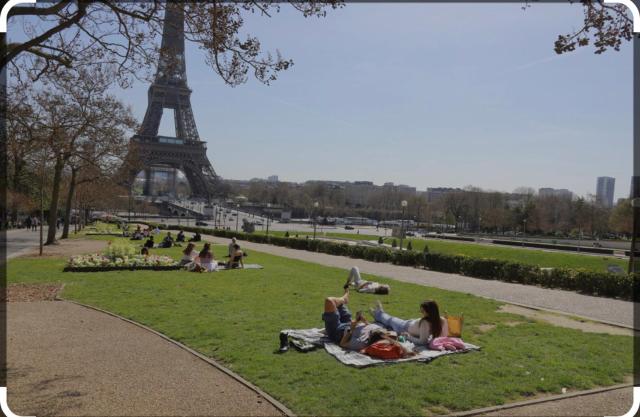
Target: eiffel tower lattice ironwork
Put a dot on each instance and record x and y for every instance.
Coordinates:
(169, 90)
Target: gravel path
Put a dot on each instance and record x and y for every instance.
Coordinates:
(68, 360)
(607, 310)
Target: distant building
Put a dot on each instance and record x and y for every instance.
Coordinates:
(434, 194)
(406, 188)
(553, 192)
(604, 191)
(272, 178)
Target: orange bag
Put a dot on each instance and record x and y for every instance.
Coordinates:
(383, 350)
(455, 325)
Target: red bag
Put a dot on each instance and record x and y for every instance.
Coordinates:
(384, 350)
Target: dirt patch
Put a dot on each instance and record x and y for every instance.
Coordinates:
(68, 247)
(513, 323)
(564, 321)
(32, 292)
(484, 328)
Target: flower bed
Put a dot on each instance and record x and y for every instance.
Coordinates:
(98, 263)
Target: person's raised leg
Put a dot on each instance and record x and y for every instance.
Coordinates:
(354, 276)
(396, 324)
(332, 304)
(335, 311)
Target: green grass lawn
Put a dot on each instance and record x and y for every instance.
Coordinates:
(235, 317)
(527, 256)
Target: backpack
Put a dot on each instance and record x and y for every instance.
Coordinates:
(384, 350)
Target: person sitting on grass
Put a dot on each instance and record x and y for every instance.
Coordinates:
(357, 335)
(196, 238)
(418, 331)
(206, 259)
(188, 254)
(149, 243)
(369, 287)
(146, 232)
(167, 242)
(231, 247)
(235, 258)
(180, 236)
(144, 251)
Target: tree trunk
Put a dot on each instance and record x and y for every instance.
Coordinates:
(18, 168)
(55, 195)
(67, 211)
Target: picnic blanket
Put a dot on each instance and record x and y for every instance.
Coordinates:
(222, 267)
(318, 338)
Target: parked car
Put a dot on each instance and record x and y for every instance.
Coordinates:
(410, 234)
(201, 223)
(348, 228)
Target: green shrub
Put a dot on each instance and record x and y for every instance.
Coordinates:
(380, 240)
(120, 249)
(286, 234)
(409, 246)
(394, 244)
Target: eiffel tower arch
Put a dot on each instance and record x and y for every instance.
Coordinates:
(169, 90)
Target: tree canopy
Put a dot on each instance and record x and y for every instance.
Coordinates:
(77, 33)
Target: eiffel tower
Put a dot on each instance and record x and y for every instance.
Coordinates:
(185, 152)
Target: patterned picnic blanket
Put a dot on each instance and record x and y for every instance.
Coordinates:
(318, 338)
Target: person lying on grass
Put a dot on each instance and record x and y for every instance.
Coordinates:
(357, 335)
(362, 286)
(418, 331)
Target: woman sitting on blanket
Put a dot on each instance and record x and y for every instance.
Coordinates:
(418, 331)
(188, 254)
(363, 286)
(355, 335)
(206, 260)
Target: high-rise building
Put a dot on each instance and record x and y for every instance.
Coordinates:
(272, 178)
(604, 191)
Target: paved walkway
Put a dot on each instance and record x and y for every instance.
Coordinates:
(20, 241)
(596, 308)
(68, 360)
(610, 403)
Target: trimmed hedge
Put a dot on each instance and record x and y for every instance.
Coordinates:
(604, 284)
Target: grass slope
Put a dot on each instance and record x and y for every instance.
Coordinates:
(235, 317)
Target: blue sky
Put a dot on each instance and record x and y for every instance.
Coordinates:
(422, 94)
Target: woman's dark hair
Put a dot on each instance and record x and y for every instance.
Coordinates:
(205, 250)
(188, 249)
(375, 336)
(432, 311)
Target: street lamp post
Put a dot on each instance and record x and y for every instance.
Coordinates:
(315, 208)
(268, 218)
(237, 216)
(579, 239)
(404, 206)
(524, 230)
